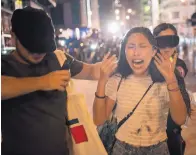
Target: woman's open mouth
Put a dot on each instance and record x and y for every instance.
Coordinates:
(137, 63)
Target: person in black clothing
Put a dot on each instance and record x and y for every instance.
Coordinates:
(34, 88)
(168, 46)
(167, 42)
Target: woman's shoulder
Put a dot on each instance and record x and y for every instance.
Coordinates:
(114, 80)
(115, 77)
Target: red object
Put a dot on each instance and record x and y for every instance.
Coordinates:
(79, 134)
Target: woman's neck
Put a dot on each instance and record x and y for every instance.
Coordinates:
(146, 74)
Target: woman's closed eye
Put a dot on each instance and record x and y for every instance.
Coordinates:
(143, 46)
(131, 47)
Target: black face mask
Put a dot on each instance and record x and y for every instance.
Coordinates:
(169, 41)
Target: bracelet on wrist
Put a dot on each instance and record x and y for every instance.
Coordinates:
(169, 83)
(99, 97)
(173, 89)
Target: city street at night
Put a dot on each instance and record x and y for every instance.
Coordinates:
(98, 77)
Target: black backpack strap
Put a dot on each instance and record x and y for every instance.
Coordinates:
(131, 113)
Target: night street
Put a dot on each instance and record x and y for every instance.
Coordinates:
(133, 52)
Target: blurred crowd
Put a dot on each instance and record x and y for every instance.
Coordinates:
(92, 50)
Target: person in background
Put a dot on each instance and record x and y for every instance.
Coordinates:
(145, 131)
(167, 42)
(33, 87)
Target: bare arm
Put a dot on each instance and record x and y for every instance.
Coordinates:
(102, 108)
(89, 72)
(177, 105)
(13, 87)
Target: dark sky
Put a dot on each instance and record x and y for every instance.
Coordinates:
(105, 10)
(106, 13)
(134, 5)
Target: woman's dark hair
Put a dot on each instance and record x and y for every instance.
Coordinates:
(125, 70)
(164, 26)
(123, 67)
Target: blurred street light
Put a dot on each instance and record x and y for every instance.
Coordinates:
(77, 31)
(113, 27)
(93, 46)
(61, 30)
(117, 18)
(183, 1)
(4, 52)
(62, 42)
(129, 10)
(117, 11)
(18, 4)
(127, 17)
(117, 1)
(147, 8)
(102, 45)
(81, 44)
